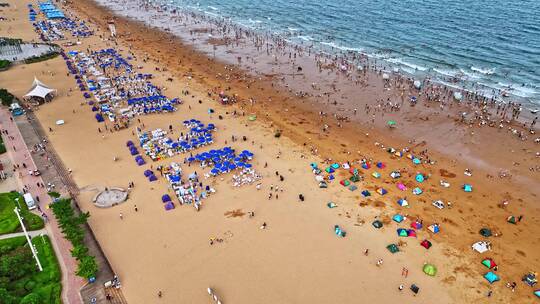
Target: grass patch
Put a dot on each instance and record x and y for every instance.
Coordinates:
(9, 222)
(20, 280)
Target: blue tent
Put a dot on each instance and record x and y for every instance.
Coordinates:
(416, 161)
(419, 178)
(398, 218)
(491, 277)
(366, 193)
(467, 188)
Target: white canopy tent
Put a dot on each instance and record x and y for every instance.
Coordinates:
(39, 89)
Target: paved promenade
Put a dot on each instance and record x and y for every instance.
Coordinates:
(20, 155)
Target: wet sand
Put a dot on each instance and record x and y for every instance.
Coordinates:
(297, 258)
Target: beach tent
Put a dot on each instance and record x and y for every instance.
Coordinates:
(415, 288)
(489, 263)
(352, 187)
(491, 277)
(416, 225)
(329, 170)
(434, 228)
(376, 174)
(366, 166)
(417, 84)
(430, 270)
(152, 178)
(339, 232)
(481, 246)
(416, 161)
(39, 89)
(165, 198)
(426, 244)
(345, 183)
(395, 174)
(382, 191)
(148, 172)
(323, 185)
(401, 187)
(331, 205)
(485, 232)
(335, 166)
(530, 279)
(377, 224)
(417, 191)
(366, 193)
(467, 188)
(398, 218)
(355, 178)
(402, 232)
(169, 206)
(537, 293)
(411, 233)
(393, 248)
(420, 178)
(512, 219)
(403, 202)
(381, 165)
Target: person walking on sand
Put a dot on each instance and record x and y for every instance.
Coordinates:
(159, 294)
(404, 272)
(366, 252)
(136, 209)
(121, 216)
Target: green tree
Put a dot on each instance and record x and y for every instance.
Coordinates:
(32, 298)
(87, 267)
(79, 251)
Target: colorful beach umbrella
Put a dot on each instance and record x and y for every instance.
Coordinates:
(430, 269)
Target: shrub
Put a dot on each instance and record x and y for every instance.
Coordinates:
(4, 64)
(6, 97)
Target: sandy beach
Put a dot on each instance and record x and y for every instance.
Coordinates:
(298, 258)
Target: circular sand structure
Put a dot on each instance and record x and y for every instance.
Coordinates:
(110, 197)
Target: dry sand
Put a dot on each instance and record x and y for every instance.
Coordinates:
(298, 258)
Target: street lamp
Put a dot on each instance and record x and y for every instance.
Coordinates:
(34, 252)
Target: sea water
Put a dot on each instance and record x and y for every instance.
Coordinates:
(486, 45)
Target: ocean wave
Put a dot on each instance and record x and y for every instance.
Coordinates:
(340, 47)
(407, 64)
(213, 8)
(449, 73)
(305, 38)
(485, 71)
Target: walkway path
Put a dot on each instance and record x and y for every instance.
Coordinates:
(32, 234)
(20, 155)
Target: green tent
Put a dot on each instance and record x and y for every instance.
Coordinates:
(393, 248)
(430, 270)
(489, 263)
(511, 219)
(252, 117)
(355, 178)
(391, 123)
(485, 232)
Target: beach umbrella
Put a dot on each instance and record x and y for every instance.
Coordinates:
(419, 178)
(430, 270)
(416, 161)
(385, 76)
(417, 84)
(458, 96)
(537, 293)
(391, 123)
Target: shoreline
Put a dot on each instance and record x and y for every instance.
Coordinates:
(300, 124)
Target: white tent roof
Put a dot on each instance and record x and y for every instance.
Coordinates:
(39, 89)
